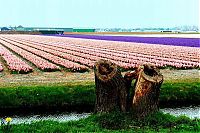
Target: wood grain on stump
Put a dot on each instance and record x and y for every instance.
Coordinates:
(147, 90)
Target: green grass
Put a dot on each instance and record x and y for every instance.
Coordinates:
(83, 95)
(187, 92)
(46, 96)
(114, 122)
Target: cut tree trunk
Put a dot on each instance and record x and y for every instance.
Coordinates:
(147, 90)
(111, 91)
(128, 77)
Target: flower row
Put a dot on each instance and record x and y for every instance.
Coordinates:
(56, 52)
(189, 42)
(42, 64)
(82, 58)
(186, 53)
(97, 49)
(55, 59)
(125, 54)
(14, 63)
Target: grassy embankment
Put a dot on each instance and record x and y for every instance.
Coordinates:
(81, 96)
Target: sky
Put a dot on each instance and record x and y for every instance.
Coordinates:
(99, 13)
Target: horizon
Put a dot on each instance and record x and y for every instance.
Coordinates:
(125, 14)
(103, 28)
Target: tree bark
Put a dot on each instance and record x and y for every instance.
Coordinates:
(128, 77)
(111, 91)
(147, 90)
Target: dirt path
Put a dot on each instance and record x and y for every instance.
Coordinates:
(67, 77)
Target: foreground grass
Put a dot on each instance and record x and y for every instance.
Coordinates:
(114, 122)
(83, 95)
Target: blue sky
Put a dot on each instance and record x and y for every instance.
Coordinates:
(99, 13)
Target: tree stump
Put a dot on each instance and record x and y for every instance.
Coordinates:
(128, 77)
(111, 91)
(147, 90)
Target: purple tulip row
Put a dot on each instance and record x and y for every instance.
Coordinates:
(189, 42)
(14, 63)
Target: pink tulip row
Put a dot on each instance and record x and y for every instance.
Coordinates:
(180, 57)
(83, 58)
(42, 64)
(189, 56)
(38, 51)
(56, 52)
(128, 58)
(176, 52)
(14, 63)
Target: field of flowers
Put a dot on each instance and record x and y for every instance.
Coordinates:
(189, 42)
(49, 53)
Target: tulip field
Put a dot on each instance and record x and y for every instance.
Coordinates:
(23, 53)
